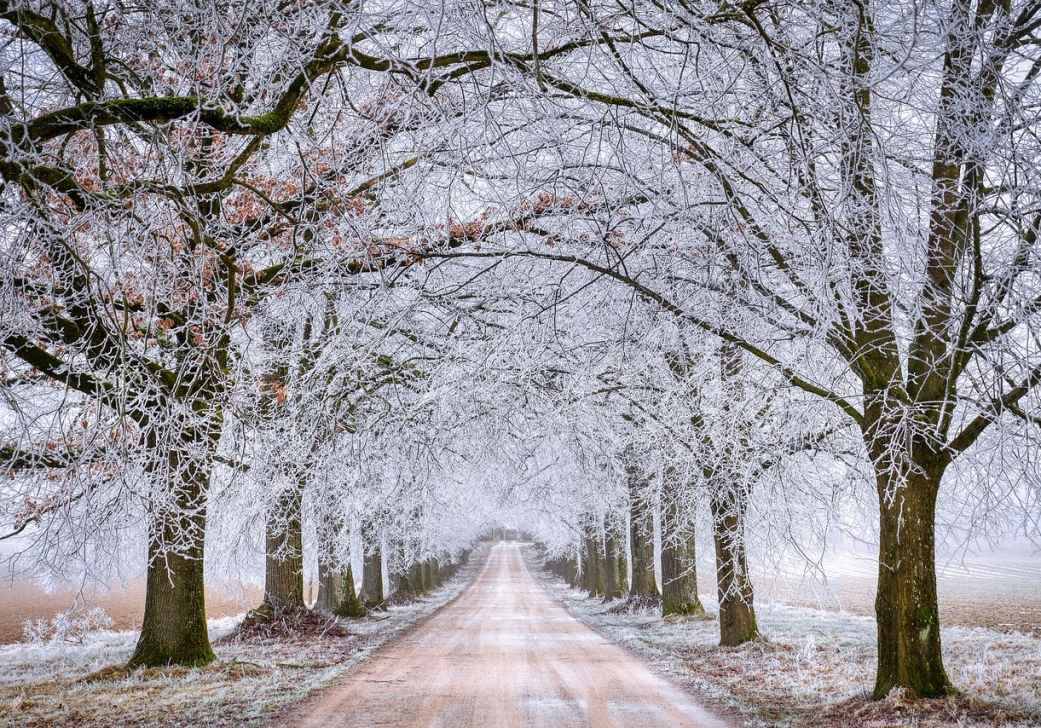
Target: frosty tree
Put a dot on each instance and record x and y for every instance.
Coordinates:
(154, 197)
(865, 175)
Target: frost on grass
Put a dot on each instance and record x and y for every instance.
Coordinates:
(816, 668)
(66, 627)
(79, 683)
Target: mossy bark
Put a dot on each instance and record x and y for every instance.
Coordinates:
(403, 584)
(737, 622)
(679, 576)
(415, 579)
(906, 609)
(372, 596)
(173, 631)
(641, 539)
(623, 564)
(571, 571)
(330, 587)
(330, 572)
(284, 560)
(592, 574)
(428, 580)
(350, 605)
(614, 576)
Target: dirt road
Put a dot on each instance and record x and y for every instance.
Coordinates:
(502, 655)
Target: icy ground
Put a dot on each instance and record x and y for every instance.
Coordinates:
(69, 680)
(816, 668)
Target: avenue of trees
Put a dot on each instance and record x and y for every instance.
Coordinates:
(353, 282)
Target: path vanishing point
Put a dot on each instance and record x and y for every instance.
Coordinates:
(503, 654)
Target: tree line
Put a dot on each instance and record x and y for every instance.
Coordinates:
(314, 271)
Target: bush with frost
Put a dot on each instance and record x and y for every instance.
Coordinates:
(66, 627)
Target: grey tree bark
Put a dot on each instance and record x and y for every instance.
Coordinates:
(284, 558)
(641, 539)
(614, 566)
(371, 595)
(679, 575)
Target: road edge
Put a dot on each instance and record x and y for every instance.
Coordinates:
(725, 714)
(290, 714)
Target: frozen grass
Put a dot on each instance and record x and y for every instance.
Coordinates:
(816, 668)
(79, 685)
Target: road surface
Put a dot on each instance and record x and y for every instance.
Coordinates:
(504, 654)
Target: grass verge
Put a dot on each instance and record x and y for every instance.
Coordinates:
(815, 669)
(82, 684)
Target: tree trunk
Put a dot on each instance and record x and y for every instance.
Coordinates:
(350, 605)
(397, 578)
(284, 572)
(592, 578)
(679, 576)
(641, 537)
(330, 587)
(737, 623)
(623, 563)
(403, 583)
(613, 580)
(601, 574)
(906, 610)
(571, 571)
(371, 595)
(427, 579)
(173, 631)
(330, 573)
(415, 578)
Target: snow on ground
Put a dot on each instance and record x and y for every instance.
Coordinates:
(76, 684)
(999, 589)
(816, 668)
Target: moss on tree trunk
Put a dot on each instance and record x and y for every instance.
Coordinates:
(906, 610)
(415, 579)
(641, 539)
(614, 576)
(372, 596)
(737, 622)
(284, 560)
(330, 587)
(173, 631)
(571, 571)
(423, 577)
(592, 574)
(679, 576)
(350, 605)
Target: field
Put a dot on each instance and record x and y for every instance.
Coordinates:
(1000, 590)
(22, 600)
